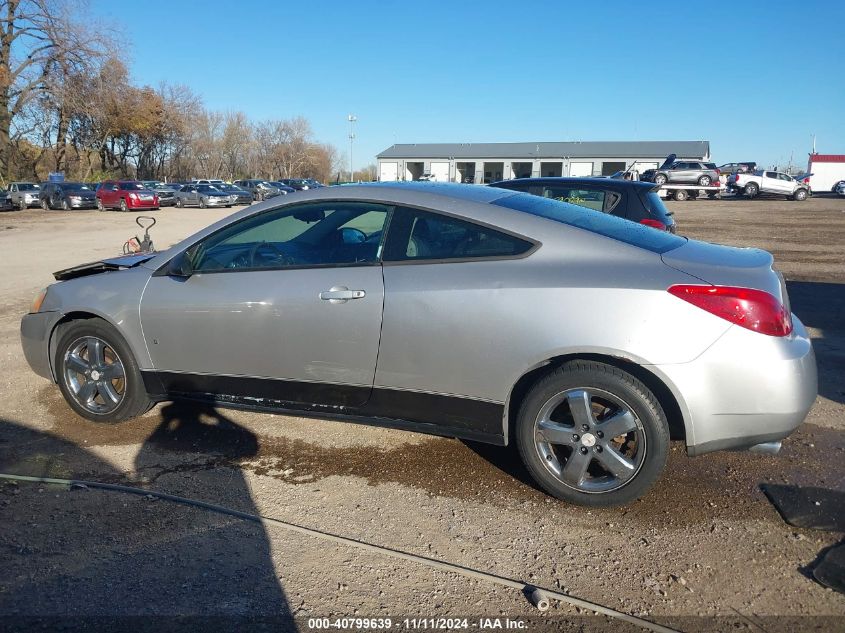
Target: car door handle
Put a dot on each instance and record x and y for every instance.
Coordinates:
(341, 294)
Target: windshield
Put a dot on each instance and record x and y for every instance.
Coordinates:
(131, 185)
(27, 186)
(77, 186)
(594, 221)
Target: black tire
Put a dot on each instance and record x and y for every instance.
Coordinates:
(751, 190)
(45, 205)
(604, 385)
(202, 203)
(129, 387)
(660, 179)
(100, 206)
(680, 195)
(705, 181)
(22, 204)
(179, 203)
(65, 205)
(123, 206)
(800, 195)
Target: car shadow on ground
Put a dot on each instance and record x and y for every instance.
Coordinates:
(74, 557)
(821, 306)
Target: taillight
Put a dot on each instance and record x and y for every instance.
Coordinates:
(753, 309)
(655, 224)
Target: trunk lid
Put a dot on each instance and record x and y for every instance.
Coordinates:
(728, 266)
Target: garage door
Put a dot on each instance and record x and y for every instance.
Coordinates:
(388, 172)
(440, 171)
(580, 169)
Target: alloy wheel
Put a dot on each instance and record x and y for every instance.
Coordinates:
(94, 375)
(590, 440)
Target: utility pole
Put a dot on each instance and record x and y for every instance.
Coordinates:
(351, 118)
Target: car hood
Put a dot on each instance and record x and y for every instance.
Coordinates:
(94, 268)
(669, 160)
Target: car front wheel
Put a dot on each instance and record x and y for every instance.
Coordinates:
(660, 179)
(592, 434)
(97, 373)
(800, 195)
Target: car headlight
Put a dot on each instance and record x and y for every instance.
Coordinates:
(39, 299)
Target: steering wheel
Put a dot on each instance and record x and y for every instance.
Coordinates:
(356, 232)
(280, 256)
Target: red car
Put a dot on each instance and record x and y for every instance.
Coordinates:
(125, 195)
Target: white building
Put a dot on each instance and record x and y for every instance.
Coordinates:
(827, 169)
(489, 162)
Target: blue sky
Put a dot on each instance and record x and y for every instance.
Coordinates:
(755, 79)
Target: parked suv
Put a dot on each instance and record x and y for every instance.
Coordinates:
(632, 200)
(692, 172)
(125, 195)
(729, 169)
(25, 194)
(67, 196)
(260, 189)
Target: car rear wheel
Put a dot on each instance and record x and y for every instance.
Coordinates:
(751, 190)
(660, 179)
(97, 373)
(800, 195)
(704, 181)
(123, 206)
(592, 434)
(681, 195)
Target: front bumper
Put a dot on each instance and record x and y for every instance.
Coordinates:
(746, 389)
(83, 204)
(35, 341)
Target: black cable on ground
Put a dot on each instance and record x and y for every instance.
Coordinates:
(527, 589)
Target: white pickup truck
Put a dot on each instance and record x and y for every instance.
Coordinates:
(771, 182)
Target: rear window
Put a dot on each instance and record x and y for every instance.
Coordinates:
(601, 223)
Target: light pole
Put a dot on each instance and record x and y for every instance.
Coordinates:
(351, 118)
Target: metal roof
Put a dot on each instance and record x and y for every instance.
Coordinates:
(574, 149)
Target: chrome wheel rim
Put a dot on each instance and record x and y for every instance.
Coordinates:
(590, 440)
(94, 375)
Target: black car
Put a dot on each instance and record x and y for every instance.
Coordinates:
(6, 202)
(285, 189)
(629, 199)
(68, 195)
(300, 184)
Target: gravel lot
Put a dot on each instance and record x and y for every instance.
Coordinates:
(703, 551)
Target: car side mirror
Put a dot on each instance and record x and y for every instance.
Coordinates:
(180, 266)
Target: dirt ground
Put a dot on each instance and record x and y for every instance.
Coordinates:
(703, 551)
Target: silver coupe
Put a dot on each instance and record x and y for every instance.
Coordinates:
(473, 312)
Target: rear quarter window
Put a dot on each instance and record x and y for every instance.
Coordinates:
(596, 222)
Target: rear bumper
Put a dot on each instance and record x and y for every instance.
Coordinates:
(746, 389)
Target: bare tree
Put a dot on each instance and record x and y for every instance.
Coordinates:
(40, 46)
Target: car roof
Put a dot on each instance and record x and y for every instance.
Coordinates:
(573, 180)
(472, 193)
